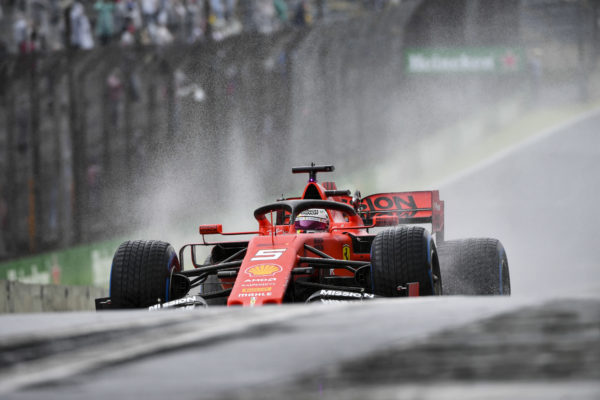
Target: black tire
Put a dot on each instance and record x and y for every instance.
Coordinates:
(474, 267)
(140, 273)
(403, 255)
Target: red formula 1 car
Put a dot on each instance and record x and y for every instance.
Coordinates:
(316, 247)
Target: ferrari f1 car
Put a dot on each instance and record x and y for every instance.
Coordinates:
(316, 247)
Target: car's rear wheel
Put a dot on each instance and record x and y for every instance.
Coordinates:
(140, 273)
(405, 255)
(474, 267)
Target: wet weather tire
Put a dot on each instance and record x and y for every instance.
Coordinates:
(404, 255)
(140, 273)
(474, 267)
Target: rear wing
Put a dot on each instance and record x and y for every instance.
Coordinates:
(409, 207)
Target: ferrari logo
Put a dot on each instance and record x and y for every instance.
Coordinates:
(346, 252)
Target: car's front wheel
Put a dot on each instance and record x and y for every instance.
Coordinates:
(405, 255)
(140, 273)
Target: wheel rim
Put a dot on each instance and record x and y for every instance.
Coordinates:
(436, 278)
(505, 288)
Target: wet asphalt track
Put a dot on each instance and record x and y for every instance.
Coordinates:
(543, 342)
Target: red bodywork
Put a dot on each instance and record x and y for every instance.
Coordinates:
(273, 255)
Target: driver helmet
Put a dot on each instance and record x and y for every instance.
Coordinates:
(313, 219)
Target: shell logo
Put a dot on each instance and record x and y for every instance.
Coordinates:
(263, 270)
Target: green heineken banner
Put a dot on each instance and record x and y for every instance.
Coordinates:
(82, 265)
(464, 60)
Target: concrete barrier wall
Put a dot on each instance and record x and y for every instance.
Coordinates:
(16, 297)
